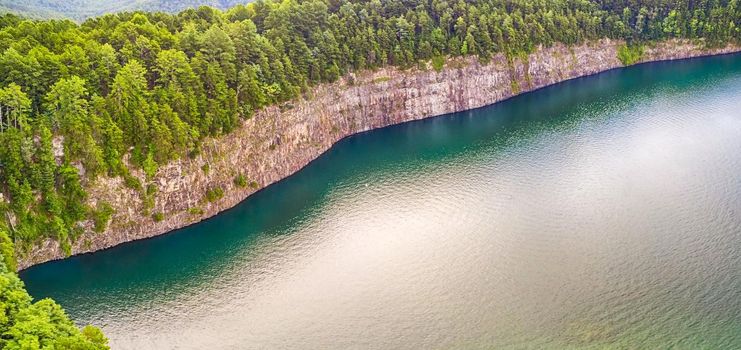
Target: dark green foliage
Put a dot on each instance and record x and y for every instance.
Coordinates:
(101, 216)
(214, 194)
(195, 211)
(81, 9)
(148, 197)
(151, 189)
(132, 182)
(158, 216)
(240, 181)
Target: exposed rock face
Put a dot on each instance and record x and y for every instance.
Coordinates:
(277, 141)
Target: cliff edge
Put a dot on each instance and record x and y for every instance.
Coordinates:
(280, 140)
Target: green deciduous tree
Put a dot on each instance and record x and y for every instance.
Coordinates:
(25, 325)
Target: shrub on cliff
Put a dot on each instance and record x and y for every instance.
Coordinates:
(240, 181)
(630, 54)
(158, 216)
(101, 216)
(214, 194)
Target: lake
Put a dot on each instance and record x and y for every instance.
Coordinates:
(603, 211)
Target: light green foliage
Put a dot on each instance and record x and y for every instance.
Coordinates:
(14, 106)
(438, 62)
(149, 165)
(41, 325)
(629, 55)
(130, 107)
(7, 254)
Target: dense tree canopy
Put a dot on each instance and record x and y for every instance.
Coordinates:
(41, 325)
(82, 9)
(141, 89)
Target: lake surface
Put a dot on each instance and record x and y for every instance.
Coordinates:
(601, 211)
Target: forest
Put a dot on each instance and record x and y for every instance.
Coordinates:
(136, 90)
(84, 9)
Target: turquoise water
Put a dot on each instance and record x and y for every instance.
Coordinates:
(603, 211)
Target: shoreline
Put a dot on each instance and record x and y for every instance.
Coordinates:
(279, 141)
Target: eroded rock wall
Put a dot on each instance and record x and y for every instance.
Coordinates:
(279, 141)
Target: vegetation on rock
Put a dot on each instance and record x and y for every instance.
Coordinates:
(629, 55)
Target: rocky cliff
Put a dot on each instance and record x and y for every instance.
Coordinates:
(280, 140)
